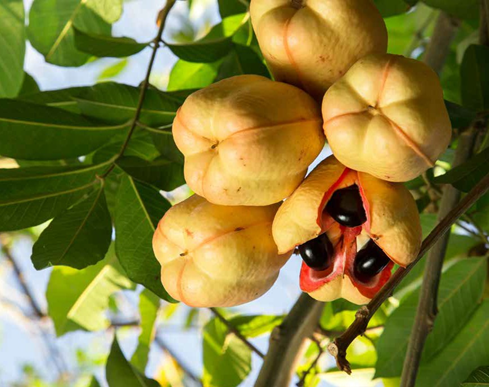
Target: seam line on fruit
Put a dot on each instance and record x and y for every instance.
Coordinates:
(225, 233)
(385, 75)
(401, 133)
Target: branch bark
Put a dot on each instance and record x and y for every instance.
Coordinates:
(339, 346)
(428, 302)
(427, 307)
(439, 47)
(287, 343)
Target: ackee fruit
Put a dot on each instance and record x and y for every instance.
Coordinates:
(312, 43)
(248, 140)
(387, 117)
(350, 228)
(217, 256)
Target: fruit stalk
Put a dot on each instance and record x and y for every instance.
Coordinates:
(339, 346)
(428, 302)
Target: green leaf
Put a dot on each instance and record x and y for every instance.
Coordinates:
(478, 378)
(120, 372)
(461, 289)
(78, 238)
(254, 326)
(466, 176)
(33, 132)
(392, 7)
(61, 99)
(404, 27)
(109, 10)
(215, 45)
(188, 75)
(242, 60)
(51, 25)
(113, 70)
(85, 295)
(460, 117)
(29, 86)
(139, 208)
(227, 360)
(164, 142)
(463, 9)
(106, 46)
(467, 351)
(116, 103)
(12, 47)
(475, 78)
(232, 7)
(149, 305)
(30, 196)
(163, 174)
(94, 382)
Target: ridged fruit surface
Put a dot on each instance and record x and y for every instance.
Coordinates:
(392, 223)
(387, 117)
(213, 255)
(248, 140)
(312, 43)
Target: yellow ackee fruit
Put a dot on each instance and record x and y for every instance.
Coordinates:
(387, 117)
(248, 140)
(312, 43)
(389, 221)
(217, 256)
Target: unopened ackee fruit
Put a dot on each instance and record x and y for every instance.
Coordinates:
(350, 228)
(387, 117)
(213, 255)
(312, 43)
(248, 140)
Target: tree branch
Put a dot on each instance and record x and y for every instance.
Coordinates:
(428, 301)
(236, 332)
(39, 313)
(287, 342)
(439, 47)
(427, 306)
(161, 343)
(339, 346)
(162, 16)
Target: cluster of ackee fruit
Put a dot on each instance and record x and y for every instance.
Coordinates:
(248, 142)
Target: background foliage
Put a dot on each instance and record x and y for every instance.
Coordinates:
(90, 211)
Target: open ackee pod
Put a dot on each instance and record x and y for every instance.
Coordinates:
(217, 256)
(388, 227)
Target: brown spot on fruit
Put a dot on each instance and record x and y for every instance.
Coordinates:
(189, 233)
(239, 229)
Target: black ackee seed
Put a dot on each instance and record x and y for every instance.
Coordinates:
(346, 207)
(317, 253)
(369, 262)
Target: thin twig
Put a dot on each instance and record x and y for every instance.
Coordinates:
(56, 357)
(480, 232)
(302, 380)
(163, 15)
(236, 332)
(161, 343)
(20, 278)
(339, 346)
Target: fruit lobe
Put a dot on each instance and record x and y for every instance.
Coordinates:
(387, 117)
(214, 255)
(304, 41)
(248, 140)
(392, 223)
